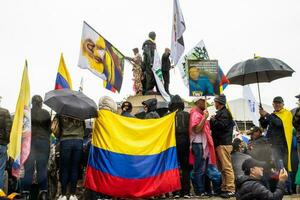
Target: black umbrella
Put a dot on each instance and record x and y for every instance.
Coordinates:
(71, 103)
(258, 70)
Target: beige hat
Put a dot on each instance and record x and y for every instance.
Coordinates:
(200, 98)
(107, 103)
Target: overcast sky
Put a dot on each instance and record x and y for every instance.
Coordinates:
(233, 31)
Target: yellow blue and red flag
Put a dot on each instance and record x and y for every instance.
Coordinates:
(223, 81)
(133, 158)
(20, 136)
(63, 78)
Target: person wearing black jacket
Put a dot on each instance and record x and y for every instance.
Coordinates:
(150, 106)
(5, 127)
(165, 68)
(222, 129)
(182, 143)
(251, 187)
(39, 150)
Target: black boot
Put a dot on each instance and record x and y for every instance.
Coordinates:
(43, 195)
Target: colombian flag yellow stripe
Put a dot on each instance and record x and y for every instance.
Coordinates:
(130, 136)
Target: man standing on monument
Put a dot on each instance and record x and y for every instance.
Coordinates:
(165, 68)
(149, 47)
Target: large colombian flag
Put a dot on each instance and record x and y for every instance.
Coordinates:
(132, 158)
(63, 78)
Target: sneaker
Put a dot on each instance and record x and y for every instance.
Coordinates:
(73, 197)
(187, 196)
(227, 195)
(202, 195)
(61, 197)
(176, 196)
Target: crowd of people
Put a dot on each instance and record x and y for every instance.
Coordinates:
(210, 159)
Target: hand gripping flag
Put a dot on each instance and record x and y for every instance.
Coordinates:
(132, 158)
(20, 136)
(63, 78)
(178, 27)
(101, 58)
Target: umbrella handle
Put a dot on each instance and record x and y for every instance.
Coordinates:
(260, 105)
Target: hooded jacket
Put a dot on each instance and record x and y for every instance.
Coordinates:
(249, 188)
(151, 104)
(5, 126)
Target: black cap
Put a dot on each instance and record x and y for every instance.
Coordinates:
(250, 163)
(254, 129)
(278, 99)
(221, 99)
(298, 96)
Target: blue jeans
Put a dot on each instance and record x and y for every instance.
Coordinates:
(3, 159)
(70, 159)
(215, 177)
(39, 155)
(198, 173)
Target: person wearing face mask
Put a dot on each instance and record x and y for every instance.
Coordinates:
(39, 150)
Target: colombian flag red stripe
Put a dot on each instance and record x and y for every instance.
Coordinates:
(132, 188)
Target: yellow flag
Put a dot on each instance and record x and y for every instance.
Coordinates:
(20, 136)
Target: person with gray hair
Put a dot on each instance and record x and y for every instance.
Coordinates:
(107, 103)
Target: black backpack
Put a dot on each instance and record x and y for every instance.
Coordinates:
(182, 120)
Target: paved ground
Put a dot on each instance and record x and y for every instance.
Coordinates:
(292, 197)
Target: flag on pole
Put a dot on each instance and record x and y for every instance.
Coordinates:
(178, 27)
(158, 76)
(101, 58)
(63, 78)
(252, 104)
(132, 158)
(81, 85)
(20, 136)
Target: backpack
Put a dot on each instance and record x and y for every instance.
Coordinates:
(182, 120)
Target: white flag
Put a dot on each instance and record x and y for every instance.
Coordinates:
(252, 105)
(158, 77)
(178, 27)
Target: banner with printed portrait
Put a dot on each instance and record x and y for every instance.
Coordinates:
(101, 57)
(203, 77)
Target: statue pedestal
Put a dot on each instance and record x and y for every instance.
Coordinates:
(137, 100)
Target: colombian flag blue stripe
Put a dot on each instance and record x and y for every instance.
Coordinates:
(61, 82)
(132, 166)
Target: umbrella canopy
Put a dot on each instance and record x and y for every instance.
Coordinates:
(71, 103)
(258, 70)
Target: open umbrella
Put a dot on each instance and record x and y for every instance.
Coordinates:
(258, 70)
(71, 103)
